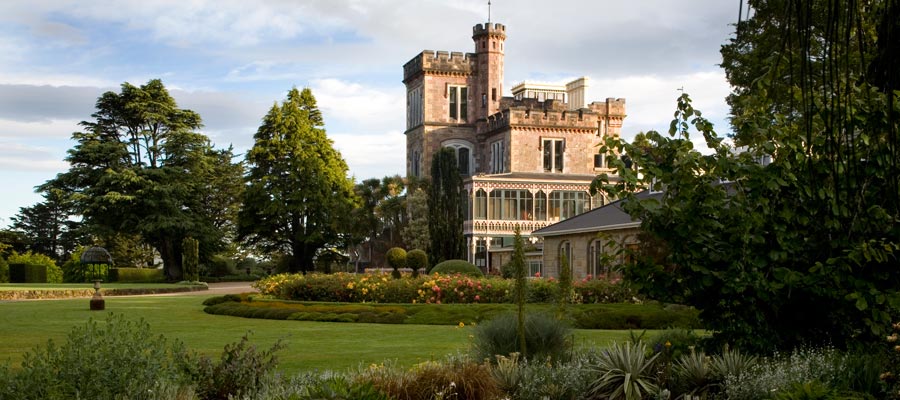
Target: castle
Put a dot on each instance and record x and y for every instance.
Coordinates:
(526, 159)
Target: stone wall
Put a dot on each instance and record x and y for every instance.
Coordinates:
(580, 245)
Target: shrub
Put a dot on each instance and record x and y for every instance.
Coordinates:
(545, 337)
(111, 360)
(190, 258)
(4, 270)
(239, 372)
(595, 291)
(416, 259)
(54, 273)
(542, 290)
(136, 275)
(782, 372)
(27, 273)
(396, 259)
(450, 267)
(566, 380)
(693, 375)
(219, 266)
(453, 378)
(623, 372)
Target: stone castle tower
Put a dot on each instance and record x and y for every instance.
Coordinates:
(527, 159)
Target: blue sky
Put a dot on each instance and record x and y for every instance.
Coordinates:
(230, 60)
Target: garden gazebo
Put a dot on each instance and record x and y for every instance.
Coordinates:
(95, 263)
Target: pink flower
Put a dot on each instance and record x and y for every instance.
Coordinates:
(537, 274)
(436, 288)
(477, 297)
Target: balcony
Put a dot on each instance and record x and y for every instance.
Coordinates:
(491, 227)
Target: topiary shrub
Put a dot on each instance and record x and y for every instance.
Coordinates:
(450, 267)
(190, 259)
(54, 273)
(416, 259)
(396, 259)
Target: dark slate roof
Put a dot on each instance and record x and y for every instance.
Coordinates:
(609, 216)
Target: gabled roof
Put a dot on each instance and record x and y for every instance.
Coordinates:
(605, 218)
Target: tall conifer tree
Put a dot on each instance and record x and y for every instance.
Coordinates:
(298, 196)
(445, 209)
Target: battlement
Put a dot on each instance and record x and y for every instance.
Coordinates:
(547, 114)
(489, 29)
(612, 107)
(440, 61)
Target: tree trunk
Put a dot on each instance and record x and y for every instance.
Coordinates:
(170, 252)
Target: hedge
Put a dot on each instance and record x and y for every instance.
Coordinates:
(456, 267)
(583, 316)
(136, 275)
(27, 273)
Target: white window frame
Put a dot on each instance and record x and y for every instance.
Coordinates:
(498, 158)
(461, 107)
(554, 157)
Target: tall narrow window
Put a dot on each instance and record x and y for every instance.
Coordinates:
(553, 154)
(480, 204)
(540, 206)
(565, 254)
(459, 103)
(463, 162)
(596, 258)
(498, 157)
(494, 94)
(483, 100)
(415, 163)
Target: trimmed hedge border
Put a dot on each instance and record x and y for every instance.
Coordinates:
(583, 316)
(79, 293)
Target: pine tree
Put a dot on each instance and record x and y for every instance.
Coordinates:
(445, 213)
(298, 198)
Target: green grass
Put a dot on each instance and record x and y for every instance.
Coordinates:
(310, 345)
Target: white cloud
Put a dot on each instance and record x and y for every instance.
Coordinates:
(16, 156)
(365, 107)
(372, 156)
(53, 129)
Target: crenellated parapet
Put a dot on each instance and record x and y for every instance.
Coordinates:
(429, 61)
(554, 114)
(489, 29)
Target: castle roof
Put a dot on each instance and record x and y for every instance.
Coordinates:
(606, 218)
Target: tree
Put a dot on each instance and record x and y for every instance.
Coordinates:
(139, 168)
(445, 209)
(48, 227)
(415, 233)
(298, 199)
(802, 249)
(381, 215)
(520, 290)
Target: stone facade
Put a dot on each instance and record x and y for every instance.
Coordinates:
(528, 159)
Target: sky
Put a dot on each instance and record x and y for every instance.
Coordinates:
(230, 60)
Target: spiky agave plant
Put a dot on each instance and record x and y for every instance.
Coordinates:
(624, 373)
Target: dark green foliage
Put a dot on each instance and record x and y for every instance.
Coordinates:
(219, 266)
(445, 208)
(450, 267)
(27, 273)
(238, 372)
(396, 259)
(140, 169)
(545, 336)
(804, 249)
(613, 316)
(628, 316)
(190, 259)
(4, 270)
(566, 292)
(520, 291)
(136, 275)
(416, 260)
(603, 291)
(298, 200)
(104, 360)
(47, 226)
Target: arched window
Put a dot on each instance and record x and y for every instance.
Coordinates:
(597, 259)
(465, 157)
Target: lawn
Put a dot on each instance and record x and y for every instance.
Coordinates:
(310, 345)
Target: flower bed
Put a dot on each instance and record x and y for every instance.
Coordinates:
(436, 289)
